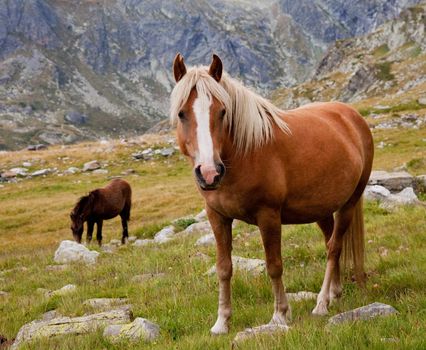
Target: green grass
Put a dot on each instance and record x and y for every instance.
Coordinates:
(34, 219)
(383, 71)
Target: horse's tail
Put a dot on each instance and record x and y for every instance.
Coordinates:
(354, 245)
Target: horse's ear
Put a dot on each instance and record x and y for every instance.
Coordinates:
(179, 68)
(216, 68)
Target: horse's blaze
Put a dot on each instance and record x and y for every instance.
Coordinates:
(204, 157)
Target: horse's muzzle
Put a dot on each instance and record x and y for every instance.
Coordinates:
(210, 179)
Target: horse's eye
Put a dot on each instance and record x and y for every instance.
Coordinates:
(181, 115)
(222, 113)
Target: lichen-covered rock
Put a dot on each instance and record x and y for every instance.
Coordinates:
(102, 304)
(253, 266)
(363, 313)
(201, 216)
(70, 251)
(67, 325)
(139, 329)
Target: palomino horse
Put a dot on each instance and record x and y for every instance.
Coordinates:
(102, 204)
(268, 167)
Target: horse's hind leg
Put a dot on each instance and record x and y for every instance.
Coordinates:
(125, 216)
(270, 228)
(342, 221)
(125, 230)
(99, 231)
(327, 225)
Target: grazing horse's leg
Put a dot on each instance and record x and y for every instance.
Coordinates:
(269, 223)
(125, 231)
(343, 219)
(90, 226)
(327, 226)
(99, 231)
(222, 228)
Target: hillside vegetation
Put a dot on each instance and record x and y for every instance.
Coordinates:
(34, 219)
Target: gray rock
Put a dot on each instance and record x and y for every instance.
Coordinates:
(422, 100)
(19, 171)
(167, 152)
(76, 118)
(267, 329)
(139, 329)
(70, 251)
(376, 192)
(198, 227)
(206, 240)
(100, 171)
(363, 313)
(70, 326)
(253, 266)
(37, 147)
(3, 293)
(393, 181)
(143, 242)
(67, 289)
(51, 315)
(132, 239)
(41, 172)
(165, 235)
(115, 242)
(201, 216)
(103, 304)
(72, 170)
(299, 296)
(92, 165)
(405, 197)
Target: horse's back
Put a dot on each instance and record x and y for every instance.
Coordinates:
(113, 198)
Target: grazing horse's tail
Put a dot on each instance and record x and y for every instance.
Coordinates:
(353, 244)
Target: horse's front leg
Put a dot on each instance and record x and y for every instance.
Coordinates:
(222, 228)
(99, 231)
(90, 226)
(269, 223)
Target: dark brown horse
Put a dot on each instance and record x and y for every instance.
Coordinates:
(102, 204)
(268, 167)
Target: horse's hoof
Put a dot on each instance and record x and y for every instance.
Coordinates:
(320, 309)
(219, 328)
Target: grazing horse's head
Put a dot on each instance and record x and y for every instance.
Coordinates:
(201, 105)
(79, 215)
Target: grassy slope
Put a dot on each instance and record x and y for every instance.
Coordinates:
(34, 219)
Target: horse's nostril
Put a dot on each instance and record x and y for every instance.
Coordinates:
(220, 168)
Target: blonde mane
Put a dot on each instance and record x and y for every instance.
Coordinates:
(249, 117)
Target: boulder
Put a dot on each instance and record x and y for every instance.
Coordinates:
(165, 235)
(253, 266)
(70, 251)
(201, 216)
(363, 313)
(393, 181)
(76, 118)
(70, 326)
(100, 171)
(72, 170)
(167, 152)
(198, 227)
(92, 165)
(376, 192)
(41, 172)
(36, 147)
(140, 329)
(206, 240)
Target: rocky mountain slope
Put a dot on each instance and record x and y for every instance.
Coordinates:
(384, 71)
(73, 70)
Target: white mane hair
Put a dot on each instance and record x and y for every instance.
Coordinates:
(249, 117)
